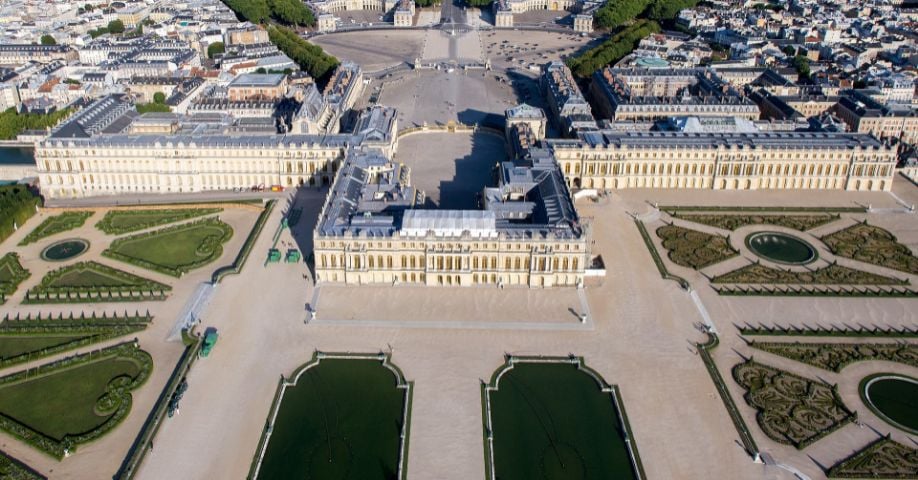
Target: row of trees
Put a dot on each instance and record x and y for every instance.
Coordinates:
(288, 12)
(114, 27)
(309, 57)
(12, 123)
(613, 49)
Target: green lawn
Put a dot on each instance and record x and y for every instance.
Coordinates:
(551, 421)
(58, 406)
(174, 250)
(341, 420)
(116, 222)
(56, 224)
(14, 345)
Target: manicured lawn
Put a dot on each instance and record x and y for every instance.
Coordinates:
(551, 421)
(14, 345)
(341, 420)
(56, 224)
(124, 221)
(63, 402)
(174, 250)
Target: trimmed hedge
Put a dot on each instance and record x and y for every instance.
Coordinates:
(883, 459)
(117, 388)
(661, 267)
(246, 249)
(12, 469)
(56, 224)
(807, 331)
(732, 222)
(792, 410)
(110, 222)
(836, 356)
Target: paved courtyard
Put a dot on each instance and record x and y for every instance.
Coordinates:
(451, 168)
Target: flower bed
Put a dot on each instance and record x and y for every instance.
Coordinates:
(870, 244)
(694, 249)
(756, 273)
(800, 222)
(56, 224)
(86, 282)
(884, 458)
(791, 409)
(836, 356)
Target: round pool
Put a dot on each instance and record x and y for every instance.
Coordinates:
(781, 248)
(894, 398)
(65, 249)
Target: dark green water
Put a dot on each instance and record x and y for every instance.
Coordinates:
(780, 247)
(897, 399)
(551, 422)
(17, 155)
(65, 250)
(342, 420)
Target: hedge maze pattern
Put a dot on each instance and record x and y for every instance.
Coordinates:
(884, 458)
(869, 244)
(733, 222)
(791, 409)
(836, 356)
(94, 282)
(11, 275)
(116, 222)
(694, 249)
(56, 224)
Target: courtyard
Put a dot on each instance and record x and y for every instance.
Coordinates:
(453, 178)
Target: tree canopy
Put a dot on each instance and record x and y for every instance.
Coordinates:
(215, 49)
(288, 12)
(116, 26)
(48, 40)
(159, 97)
(12, 123)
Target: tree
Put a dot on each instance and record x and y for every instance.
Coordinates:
(159, 97)
(308, 56)
(48, 40)
(215, 49)
(116, 26)
(802, 64)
